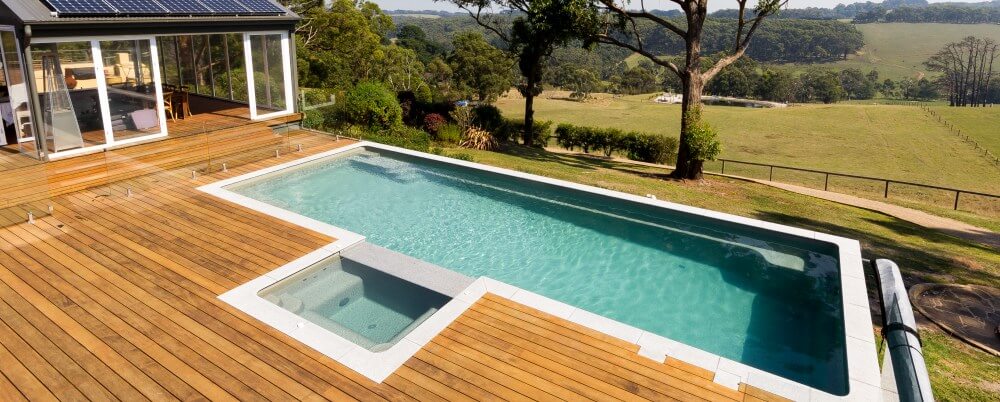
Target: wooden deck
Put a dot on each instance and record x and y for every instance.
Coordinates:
(115, 297)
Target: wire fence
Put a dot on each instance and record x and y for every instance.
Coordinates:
(958, 132)
(864, 186)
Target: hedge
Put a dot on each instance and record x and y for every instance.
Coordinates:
(634, 145)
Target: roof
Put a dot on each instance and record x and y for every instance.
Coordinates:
(35, 12)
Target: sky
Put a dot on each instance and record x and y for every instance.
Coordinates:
(650, 4)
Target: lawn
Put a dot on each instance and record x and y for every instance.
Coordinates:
(894, 142)
(982, 124)
(898, 50)
(958, 372)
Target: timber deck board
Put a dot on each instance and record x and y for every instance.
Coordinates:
(115, 297)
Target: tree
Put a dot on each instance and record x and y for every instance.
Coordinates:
(777, 85)
(619, 30)
(856, 84)
(530, 30)
(480, 69)
(967, 69)
(737, 80)
(820, 85)
(339, 47)
(413, 37)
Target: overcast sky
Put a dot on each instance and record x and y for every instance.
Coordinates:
(651, 4)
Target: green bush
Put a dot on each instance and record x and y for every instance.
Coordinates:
(450, 134)
(650, 148)
(513, 130)
(636, 146)
(488, 117)
(371, 104)
(401, 136)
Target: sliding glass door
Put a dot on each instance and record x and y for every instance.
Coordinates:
(96, 94)
(270, 74)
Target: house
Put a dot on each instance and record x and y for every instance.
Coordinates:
(81, 76)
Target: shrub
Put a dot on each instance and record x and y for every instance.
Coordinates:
(401, 136)
(513, 130)
(637, 146)
(477, 138)
(372, 105)
(463, 117)
(433, 123)
(488, 117)
(650, 148)
(450, 133)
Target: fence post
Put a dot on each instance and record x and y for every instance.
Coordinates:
(770, 176)
(957, 193)
(723, 166)
(886, 189)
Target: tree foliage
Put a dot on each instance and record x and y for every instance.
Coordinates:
(966, 69)
(479, 69)
(372, 105)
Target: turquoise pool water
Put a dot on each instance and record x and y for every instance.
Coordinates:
(765, 299)
(370, 308)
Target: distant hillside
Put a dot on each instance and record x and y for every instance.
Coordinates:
(898, 50)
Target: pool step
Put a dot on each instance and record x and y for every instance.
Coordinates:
(398, 171)
(343, 289)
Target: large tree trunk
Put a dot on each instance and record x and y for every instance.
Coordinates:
(687, 167)
(529, 114)
(692, 85)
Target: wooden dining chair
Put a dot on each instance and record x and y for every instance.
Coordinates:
(185, 102)
(168, 104)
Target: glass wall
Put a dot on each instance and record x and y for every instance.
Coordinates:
(67, 82)
(16, 114)
(132, 100)
(209, 65)
(268, 73)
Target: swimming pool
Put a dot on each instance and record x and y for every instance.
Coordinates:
(767, 299)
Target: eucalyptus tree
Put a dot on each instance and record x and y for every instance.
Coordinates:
(530, 30)
(620, 27)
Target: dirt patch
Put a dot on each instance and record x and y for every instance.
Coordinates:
(968, 312)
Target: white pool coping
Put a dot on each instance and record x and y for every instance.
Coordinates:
(864, 378)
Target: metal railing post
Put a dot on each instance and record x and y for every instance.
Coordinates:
(886, 189)
(957, 194)
(826, 183)
(723, 166)
(770, 176)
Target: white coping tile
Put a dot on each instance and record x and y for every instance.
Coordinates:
(860, 392)
(606, 325)
(855, 291)
(437, 322)
(544, 304)
(862, 366)
(499, 288)
(474, 291)
(858, 323)
(728, 380)
(889, 396)
(779, 386)
(694, 356)
(862, 362)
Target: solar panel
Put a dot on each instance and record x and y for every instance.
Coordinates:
(81, 7)
(227, 7)
(136, 6)
(163, 7)
(185, 7)
(261, 6)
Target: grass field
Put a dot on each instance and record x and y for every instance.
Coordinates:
(894, 142)
(978, 123)
(898, 50)
(958, 372)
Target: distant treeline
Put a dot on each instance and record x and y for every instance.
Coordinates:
(784, 40)
(952, 13)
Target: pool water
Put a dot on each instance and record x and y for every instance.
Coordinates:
(762, 298)
(361, 304)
